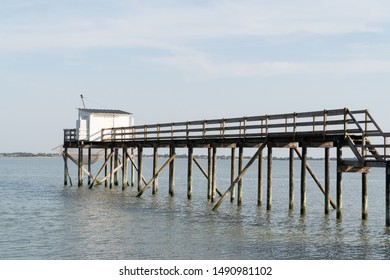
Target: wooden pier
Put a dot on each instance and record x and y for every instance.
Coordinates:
(337, 129)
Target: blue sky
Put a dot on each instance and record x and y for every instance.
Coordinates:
(184, 60)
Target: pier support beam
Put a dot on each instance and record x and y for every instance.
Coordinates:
(269, 177)
(364, 196)
(112, 160)
(116, 164)
(327, 181)
(339, 186)
(210, 172)
(190, 172)
(155, 167)
(387, 194)
(105, 168)
(214, 177)
(80, 167)
(260, 180)
(303, 180)
(89, 165)
(132, 176)
(140, 156)
(66, 170)
(172, 172)
(125, 169)
(232, 172)
(240, 164)
(291, 180)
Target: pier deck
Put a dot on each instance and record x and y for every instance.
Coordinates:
(340, 129)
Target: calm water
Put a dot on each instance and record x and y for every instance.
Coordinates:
(42, 219)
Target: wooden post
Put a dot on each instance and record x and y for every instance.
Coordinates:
(172, 172)
(112, 160)
(387, 194)
(105, 168)
(65, 157)
(190, 172)
(89, 165)
(210, 172)
(339, 185)
(260, 180)
(125, 169)
(232, 172)
(327, 181)
(155, 166)
(140, 156)
(214, 177)
(80, 166)
(291, 181)
(269, 177)
(116, 163)
(364, 196)
(240, 164)
(303, 181)
(132, 178)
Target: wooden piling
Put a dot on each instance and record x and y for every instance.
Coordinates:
(210, 172)
(339, 186)
(240, 164)
(89, 165)
(232, 172)
(66, 170)
(291, 180)
(80, 166)
(269, 177)
(190, 172)
(327, 181)
(125, 169)
(132, 175)
(112, 160)
(155, 167)
(364, 196)
(172, 172)
(116, 164)
(303, 180)
(140, 161)
(214, 177)
(260, 180)
(387, 194)
(105, 167)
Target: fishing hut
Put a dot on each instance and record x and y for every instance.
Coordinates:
(339, 129)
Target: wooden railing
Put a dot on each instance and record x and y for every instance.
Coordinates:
(321, 122)
(369, 140)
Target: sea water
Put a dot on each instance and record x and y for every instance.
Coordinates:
(40, 218)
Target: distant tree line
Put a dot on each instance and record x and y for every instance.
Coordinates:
(24, 154)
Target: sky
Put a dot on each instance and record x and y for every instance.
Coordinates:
(173, 60)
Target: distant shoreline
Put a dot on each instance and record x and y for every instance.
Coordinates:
(29, 155)
(57, 155)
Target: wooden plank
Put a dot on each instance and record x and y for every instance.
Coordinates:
(354, 169)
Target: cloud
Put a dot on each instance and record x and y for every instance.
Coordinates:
(152, 24)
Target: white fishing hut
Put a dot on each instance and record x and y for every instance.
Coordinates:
(92, 121)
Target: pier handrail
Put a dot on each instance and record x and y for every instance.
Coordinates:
(325, 122)
(359, 124)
